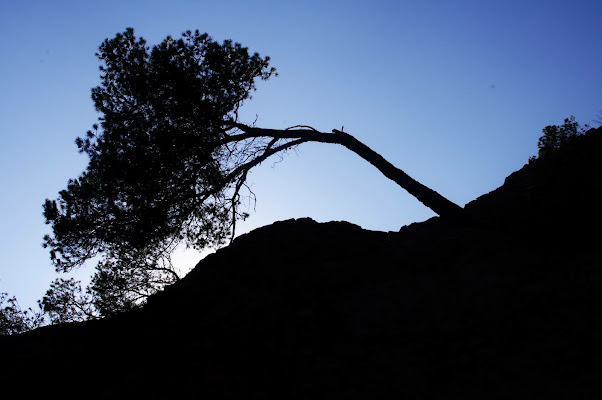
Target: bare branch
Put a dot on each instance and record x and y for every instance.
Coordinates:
(301, 126)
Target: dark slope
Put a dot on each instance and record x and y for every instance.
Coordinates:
(509, 308)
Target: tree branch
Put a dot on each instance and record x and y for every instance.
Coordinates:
(430, 198)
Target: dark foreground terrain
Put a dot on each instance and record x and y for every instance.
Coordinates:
(509, 307)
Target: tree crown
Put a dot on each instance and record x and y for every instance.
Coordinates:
(155, 174)
(556, 136)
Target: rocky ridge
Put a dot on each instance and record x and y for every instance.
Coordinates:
(507, 307)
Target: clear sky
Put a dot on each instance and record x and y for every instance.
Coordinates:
(455, 93)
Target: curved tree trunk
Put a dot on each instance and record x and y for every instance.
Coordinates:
(430, 198)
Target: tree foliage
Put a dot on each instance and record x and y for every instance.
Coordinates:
(154, 176)
(65, 301)
(168, 163)
(13, 319)
(153, 166)
(556, 136)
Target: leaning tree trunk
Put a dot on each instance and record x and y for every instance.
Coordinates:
(430, 198)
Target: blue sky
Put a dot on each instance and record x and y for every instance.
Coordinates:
(454, 93)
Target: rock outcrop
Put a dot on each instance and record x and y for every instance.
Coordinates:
(507, 308)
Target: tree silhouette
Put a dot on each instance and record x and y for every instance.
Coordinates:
(554, 137)
(168, 162)
(13, 319)
(65, 301)
(557, 136)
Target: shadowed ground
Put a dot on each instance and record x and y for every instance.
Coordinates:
(506, 308)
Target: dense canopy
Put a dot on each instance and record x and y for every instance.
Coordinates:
(155, 174)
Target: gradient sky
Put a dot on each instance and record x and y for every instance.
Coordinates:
(455, 93)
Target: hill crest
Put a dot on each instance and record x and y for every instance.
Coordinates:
(299, 309)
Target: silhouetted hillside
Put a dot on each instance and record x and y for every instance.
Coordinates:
(507, 308)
